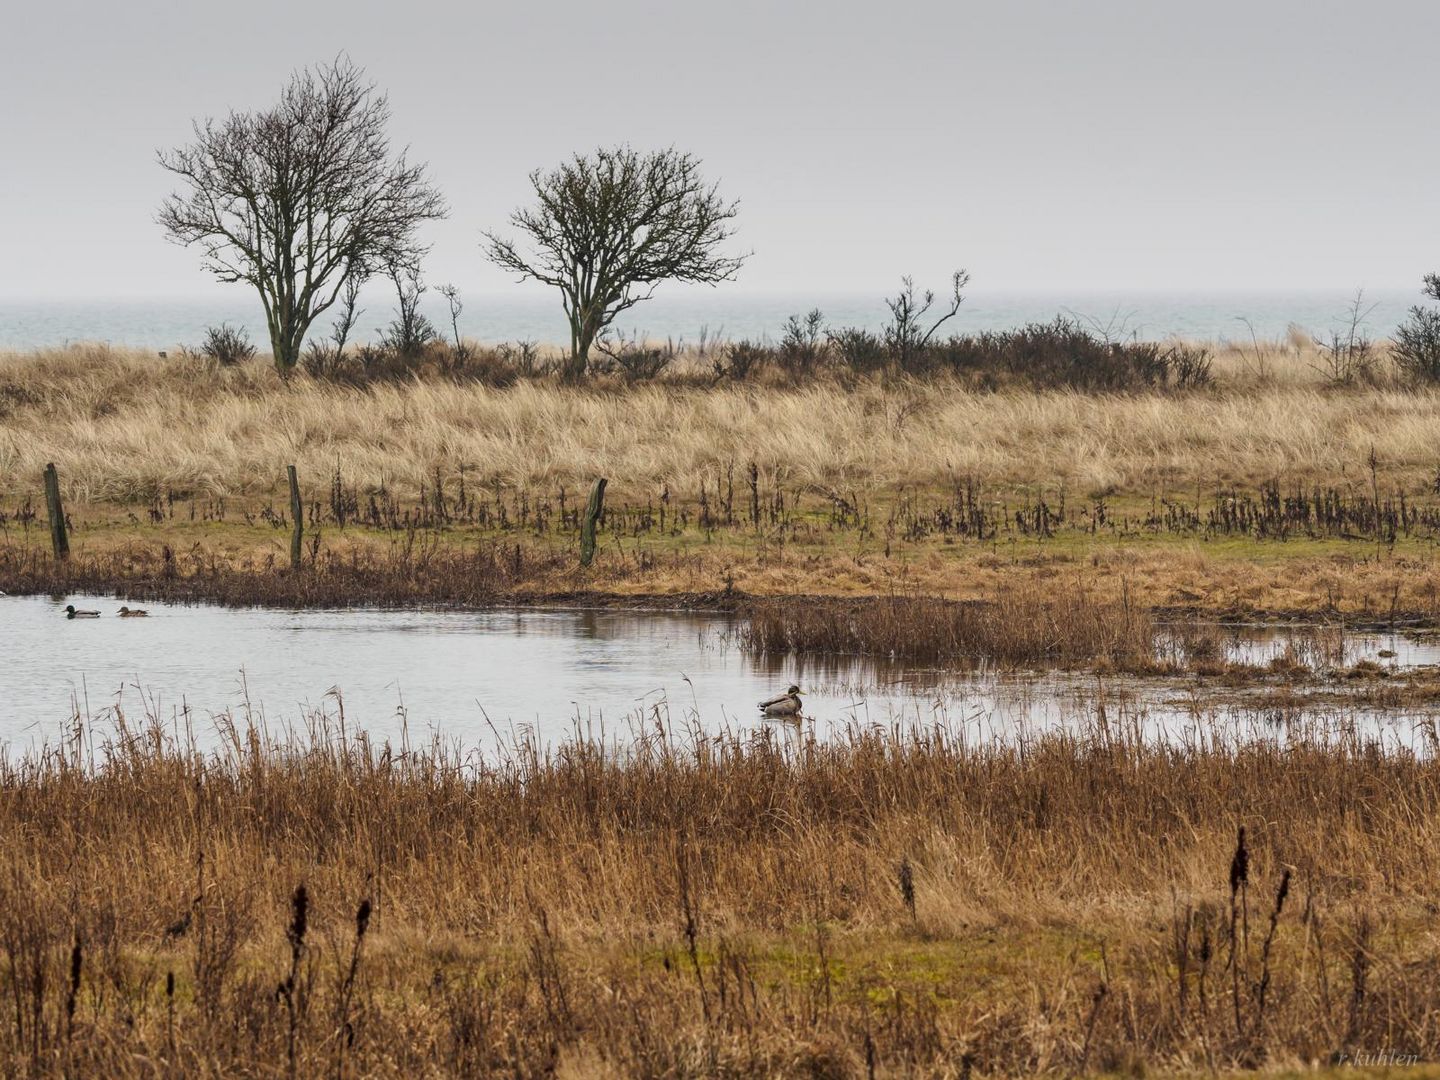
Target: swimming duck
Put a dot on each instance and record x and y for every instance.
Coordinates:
(784, 707)
(71, 613)
(131, 613)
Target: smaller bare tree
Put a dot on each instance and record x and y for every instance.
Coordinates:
(349, 315)
(1348, 357)
(452, 297)
(325, 359)
(411, 330)
(906, 336)
(608, 228)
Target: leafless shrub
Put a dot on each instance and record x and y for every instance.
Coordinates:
(524, 357)
(410, 331)
(227, 345)
(1417, 340)
(740, 359)
(634, 357)
(858, 350)
(1065, 354)
(907, 335)
(326, 359)
(1348, 358)
(802, 348)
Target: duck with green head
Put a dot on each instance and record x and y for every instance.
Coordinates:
(71, 612)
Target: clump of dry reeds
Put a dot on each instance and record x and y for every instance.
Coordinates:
(691, 905)
(1063, 627)
(418, 571)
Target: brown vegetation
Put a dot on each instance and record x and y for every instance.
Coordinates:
(1267, 491)
(128, 427)
(1060, 628)
(885, 904)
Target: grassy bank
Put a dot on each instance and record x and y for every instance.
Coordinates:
(1268, 491)
(887, 904)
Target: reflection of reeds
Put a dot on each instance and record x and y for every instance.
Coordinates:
(1050, 889)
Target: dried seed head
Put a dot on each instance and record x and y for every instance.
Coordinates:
(907, 885)
(1282, 892)
(299, 910)
(77, 959)
(362, 918)
(1240, 864)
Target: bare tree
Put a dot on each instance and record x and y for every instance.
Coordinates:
(906, 336)
(301, 199)
(411, 330)
(608, 228)
(349, 315)
(326, 359)
(451, 293)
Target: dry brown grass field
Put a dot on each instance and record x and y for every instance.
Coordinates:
(888, 904)
(1270, 490)
(127, 426)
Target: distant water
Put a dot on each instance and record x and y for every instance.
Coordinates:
(166, 323)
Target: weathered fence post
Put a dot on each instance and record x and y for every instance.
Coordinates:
(59, 538)
(297, 516)
(593, 509)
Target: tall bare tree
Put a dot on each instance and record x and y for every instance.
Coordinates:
(608, 228)
(300, 200)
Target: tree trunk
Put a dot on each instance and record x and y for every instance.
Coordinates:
(285, 343)
(579, 359)
(287, 356)
(584, 329)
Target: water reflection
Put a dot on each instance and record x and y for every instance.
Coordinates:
(478, 677)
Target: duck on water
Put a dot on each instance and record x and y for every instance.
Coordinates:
(785, 707)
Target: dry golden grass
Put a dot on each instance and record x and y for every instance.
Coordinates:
(850, 476)
(888, 905)
(126, 426)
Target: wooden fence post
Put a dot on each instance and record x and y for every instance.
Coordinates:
(59, 538)
(593, 509)
(297, 516)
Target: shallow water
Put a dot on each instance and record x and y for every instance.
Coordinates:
(482, 677)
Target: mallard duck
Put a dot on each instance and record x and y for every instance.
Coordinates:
(131, 613)
(72, 613)
(784, 707)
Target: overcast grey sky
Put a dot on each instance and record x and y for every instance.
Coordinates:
(1113, 144)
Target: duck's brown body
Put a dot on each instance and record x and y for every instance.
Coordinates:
(785, 707)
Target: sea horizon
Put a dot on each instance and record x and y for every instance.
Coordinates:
(683, 316)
